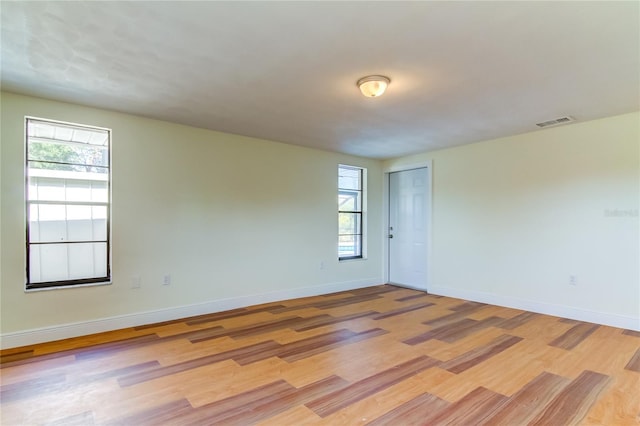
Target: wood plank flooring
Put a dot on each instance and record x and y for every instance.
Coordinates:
(381, 355)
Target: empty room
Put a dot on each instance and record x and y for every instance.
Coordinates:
(320, 213)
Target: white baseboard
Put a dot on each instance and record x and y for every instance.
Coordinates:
(65, 331)
(613, 320)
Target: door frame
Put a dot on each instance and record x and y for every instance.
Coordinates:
(428, 164)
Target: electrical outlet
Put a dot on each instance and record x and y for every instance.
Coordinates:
(573, 280)
(166, 280)
(322, 264)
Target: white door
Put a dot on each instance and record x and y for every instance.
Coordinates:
(408, 197)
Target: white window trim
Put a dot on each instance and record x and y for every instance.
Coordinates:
(364, 245)
(67, 284)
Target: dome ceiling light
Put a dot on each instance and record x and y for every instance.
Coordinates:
(373, 86)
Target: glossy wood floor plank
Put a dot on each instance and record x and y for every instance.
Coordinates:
(414, 412)
(574, 336)
(335, 401)
(527, 403)
(634, 362)
(381, 355)
(571, 404)
(517, 365)
(474, 408)
(377, 404)
(480, 354)
(618, 404)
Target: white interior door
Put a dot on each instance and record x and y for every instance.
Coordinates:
(408, 198)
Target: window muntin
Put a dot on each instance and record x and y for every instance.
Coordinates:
(67, 204)
(350, 212)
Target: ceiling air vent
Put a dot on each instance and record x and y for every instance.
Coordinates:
(555, 122)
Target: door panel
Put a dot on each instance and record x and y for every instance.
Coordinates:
(408, 228)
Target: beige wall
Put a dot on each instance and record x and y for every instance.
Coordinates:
(227, 216)
(513, 218)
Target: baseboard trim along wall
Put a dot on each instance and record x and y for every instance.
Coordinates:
(66, 331)
(563, 311)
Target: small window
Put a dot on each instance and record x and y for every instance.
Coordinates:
(350, 212)
(68, 204)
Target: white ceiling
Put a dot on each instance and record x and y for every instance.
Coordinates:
(460, 72)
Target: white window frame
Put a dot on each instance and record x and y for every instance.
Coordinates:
(362, 243)
(31, 285)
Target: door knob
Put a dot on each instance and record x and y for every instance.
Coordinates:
(390, 235)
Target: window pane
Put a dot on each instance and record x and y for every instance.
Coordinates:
(80, 230)
(82, 157)
(41, 129)
(34, 224)
(84, 263)
(47, 223)
(60, 262)
(99, 191)
(67, 223)
(34, 215)
(100, 259)
(34, 264)
(349, 223)
(48, 262)
(348, 178)
(51, 212)
(87, 229)
(49, 231)
(77, 213)
(349, 246)
(99, 212)
(46, 189)
(58, 188)
(86, 190)
(349, 201)
(99, 226)
(84, 227)
(67, 132)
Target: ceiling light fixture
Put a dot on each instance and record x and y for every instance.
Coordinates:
(373, 86)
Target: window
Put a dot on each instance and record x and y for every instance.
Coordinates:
(350, 212)
(67, 204)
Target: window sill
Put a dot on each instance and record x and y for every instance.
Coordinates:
(352, 259)
(66, 287)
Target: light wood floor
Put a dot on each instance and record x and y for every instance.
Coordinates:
(381, 355)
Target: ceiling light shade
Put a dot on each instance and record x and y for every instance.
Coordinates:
(374, 85)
